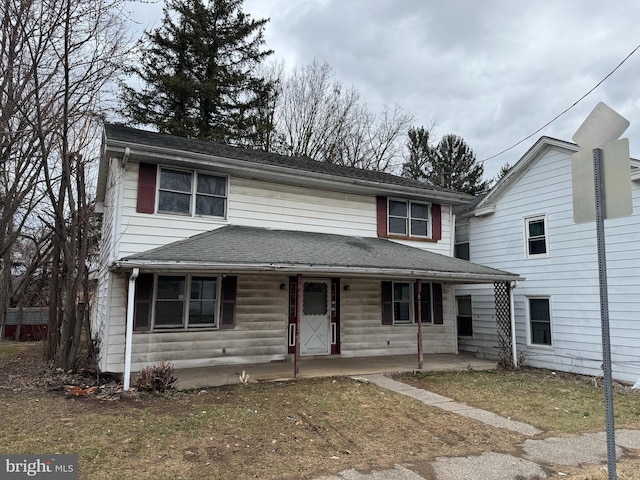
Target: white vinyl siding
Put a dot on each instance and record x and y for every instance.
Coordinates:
(570, 274)
(362, 335)
(261, 204)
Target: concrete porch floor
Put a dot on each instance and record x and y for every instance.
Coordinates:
(325, 367)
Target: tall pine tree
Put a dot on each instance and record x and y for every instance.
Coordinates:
(198, 72)
(453, 165)
(420, 152)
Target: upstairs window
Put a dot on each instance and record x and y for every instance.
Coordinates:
(409, 218)
(188, 192)
(462, 241)
(536, 237)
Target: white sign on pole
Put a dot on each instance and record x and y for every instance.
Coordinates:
(616, 172)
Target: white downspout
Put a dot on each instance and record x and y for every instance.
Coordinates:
(512, 314)
(129, 331)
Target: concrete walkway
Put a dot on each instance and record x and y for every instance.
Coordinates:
(539, 456)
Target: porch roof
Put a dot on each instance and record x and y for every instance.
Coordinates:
(236, 249)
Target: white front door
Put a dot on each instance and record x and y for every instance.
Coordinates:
(315, 321)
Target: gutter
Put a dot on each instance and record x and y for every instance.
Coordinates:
(363, 272)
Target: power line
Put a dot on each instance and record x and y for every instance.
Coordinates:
(564, 111)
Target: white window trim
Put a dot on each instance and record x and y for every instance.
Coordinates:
(193, 194)
(187, 299)
(534, 218)
(412, 303)
(470, 297)
(456, 241)
(409, 234)
(528, 314)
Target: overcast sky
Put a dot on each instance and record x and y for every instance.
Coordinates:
(491, 71)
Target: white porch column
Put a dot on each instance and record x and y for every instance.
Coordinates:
(512, 314)
(129, 330)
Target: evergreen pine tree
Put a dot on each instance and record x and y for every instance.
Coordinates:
(417, 165)
(198, 72)
(453, 166)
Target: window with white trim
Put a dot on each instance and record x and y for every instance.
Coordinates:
(537, 245)
(464, 316)
(192, 193)
(409, 218)
(174, 309)
(405, 303)
(462, 241)
(539, 316)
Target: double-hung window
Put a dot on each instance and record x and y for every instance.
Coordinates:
(464, 317)
(462, 241)
(192, 193)
(537, 244)
(409, 218)
(539, 321)
(405, 303)
(175, 309)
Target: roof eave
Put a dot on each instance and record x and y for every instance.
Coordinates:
(155, 154)
(351, 271)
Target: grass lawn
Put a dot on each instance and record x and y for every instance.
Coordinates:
(555, 402)
(286, 430)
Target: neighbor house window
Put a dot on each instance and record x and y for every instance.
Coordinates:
(536, 236)
(409, 218)
(465, 320)
(539, 321)
(462, 241)
(189, 192)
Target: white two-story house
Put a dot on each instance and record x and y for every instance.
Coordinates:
(214, 255)
(525, 224)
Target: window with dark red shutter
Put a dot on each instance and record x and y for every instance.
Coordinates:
(228, 304)
(438, 314)
(142, 302)
(387, 303)
(436, 221)
(146, 202)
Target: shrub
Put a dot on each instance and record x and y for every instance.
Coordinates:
(157, 378)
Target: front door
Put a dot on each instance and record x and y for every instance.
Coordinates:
(315, 321)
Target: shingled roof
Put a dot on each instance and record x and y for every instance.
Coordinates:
(242, 248)
(132, 136)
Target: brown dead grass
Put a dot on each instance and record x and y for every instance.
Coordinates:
(556, 402)
(300, 429)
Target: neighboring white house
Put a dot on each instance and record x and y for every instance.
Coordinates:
(219, 255)
(525, 225)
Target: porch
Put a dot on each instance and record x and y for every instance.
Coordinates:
(325, 367)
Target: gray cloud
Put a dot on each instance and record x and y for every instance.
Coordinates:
(492, 71)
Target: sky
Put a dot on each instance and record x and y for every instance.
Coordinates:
(490, 71)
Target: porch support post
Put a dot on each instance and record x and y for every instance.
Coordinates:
(296, 367)
(512, 313)
(419, 313)
(129, 329)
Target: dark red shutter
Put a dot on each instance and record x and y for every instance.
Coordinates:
(438, 315)
(381, 215)
(387, 303)
(142, 302)
(228, 304)
(146, 188)
(436, 217)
